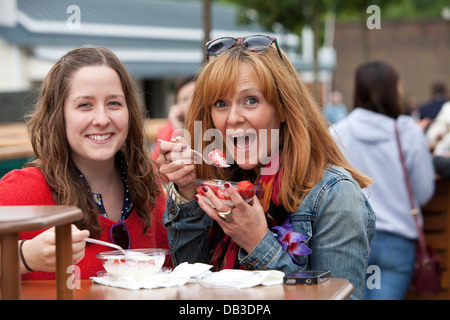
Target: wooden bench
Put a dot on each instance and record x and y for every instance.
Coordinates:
(14, 141)
(15, 144)
(436, 216)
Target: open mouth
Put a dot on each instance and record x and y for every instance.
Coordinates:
(100, 137)
(242, 140)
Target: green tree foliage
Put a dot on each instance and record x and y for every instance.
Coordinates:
(392, 10)
(293, 15)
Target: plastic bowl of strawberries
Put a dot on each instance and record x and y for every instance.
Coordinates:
(245, 188)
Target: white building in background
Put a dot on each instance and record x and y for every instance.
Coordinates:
(158, 41)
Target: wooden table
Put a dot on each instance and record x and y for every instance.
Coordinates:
(15, 219)
(14, 141)
(332, 289)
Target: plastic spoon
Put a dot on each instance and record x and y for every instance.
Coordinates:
(129, 255)
(104, 243)
(220, 164)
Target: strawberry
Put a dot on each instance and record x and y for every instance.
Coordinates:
(211, 185)
(246, 189)
(222, 195)
(200, 191)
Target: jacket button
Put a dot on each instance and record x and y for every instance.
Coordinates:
(172, 210)
(249, 266)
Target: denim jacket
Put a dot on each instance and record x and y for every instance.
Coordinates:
(335, 216)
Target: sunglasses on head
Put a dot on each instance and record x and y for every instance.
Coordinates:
(251, 43)
(119, 235)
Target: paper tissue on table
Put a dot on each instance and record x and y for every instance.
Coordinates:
(195, 273)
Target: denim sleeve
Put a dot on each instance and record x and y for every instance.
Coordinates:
(187, 230)
(342, 233)
(339, 224)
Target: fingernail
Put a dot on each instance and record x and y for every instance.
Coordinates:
(196, 197)
(227, 185)
(205, 189)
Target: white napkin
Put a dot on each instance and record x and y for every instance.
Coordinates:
(196, 273)
(241, 278)
(181, 275)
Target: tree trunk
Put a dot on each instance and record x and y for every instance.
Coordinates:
(365, 37)
(206, 22)
(316, 32)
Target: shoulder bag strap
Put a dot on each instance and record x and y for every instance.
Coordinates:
(414, 209)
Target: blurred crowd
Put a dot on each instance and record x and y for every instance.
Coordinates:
(389, 138)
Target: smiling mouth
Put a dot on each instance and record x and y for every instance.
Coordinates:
(100, 137)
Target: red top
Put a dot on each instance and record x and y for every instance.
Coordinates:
(164, 133)
(28, 187)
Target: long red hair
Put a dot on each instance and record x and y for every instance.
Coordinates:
(308, 148)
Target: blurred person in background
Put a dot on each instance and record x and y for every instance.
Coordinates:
(438, 97)
(177, 113)
(368, 140)
(438, 135)
(335, 110)
(438, 132)
(411, 107)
